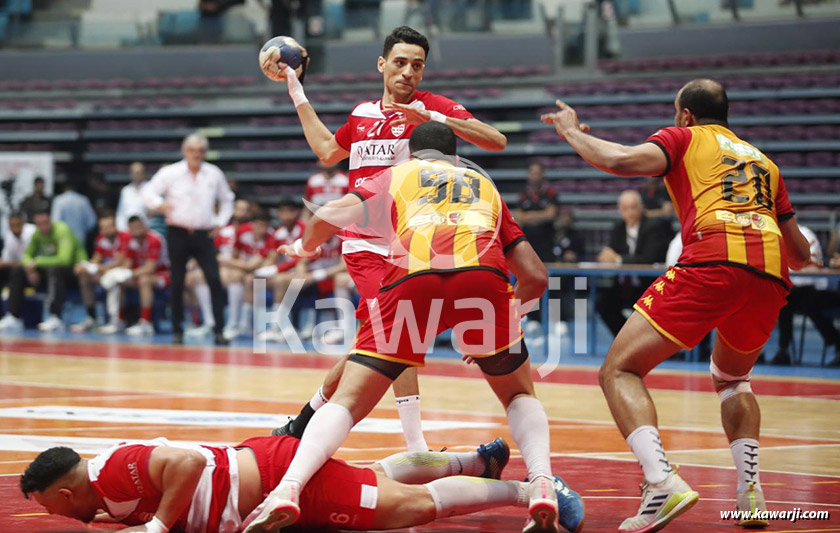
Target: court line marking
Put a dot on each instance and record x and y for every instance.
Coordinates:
(728, 500)
(717, 450)
(26, 515)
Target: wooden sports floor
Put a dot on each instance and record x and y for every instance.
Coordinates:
(89, 394)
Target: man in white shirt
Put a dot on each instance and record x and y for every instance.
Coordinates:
(187, 192)
(15, 241)
(131, 197)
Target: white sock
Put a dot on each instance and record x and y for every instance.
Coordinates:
(408, 408)
(319, 400)
(246, 317)
(235, 291)
(325, 433)
(414, 468)
(647, 447)
(745, 455)
(461, 495)
(112, 304)
(529, 428)
(205, 303)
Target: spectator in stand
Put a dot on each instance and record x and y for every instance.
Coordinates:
(37, 201)
(187, 192)
(109, 248)
(537, 211)
(103, 197)
(224, 242)
(75, 210)
(635, 239)
(810, 296)
(131, 197)
(15, 241)
(328, 184)
(655, 199)
(49, 259)
(568, 246)
(144, 266)
(254, 249)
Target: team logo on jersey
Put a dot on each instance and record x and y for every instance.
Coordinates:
(360, 128)
(758, 221)
(398, 130)
(743, 219)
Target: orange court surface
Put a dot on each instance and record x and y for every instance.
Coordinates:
(89, 395)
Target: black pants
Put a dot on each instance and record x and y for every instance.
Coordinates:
(612, 301)
(184, 244)
(813, 303)
(54, 278)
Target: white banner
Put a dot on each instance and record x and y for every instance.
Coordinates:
(18, 171)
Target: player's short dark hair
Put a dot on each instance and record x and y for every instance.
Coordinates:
(433, 136)
(287, 200)
(260, 215)
(135, 218)
(50, 466)
(38, 179)
(41, 211)
(107, 213)
(706, 99)
(407, 35)
(16, 214)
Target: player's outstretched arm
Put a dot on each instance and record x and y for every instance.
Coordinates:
(641, 160)
(471, 130)
(797, 246)
(531, 274)
(175, 472)
(326, 222)
(320, 138)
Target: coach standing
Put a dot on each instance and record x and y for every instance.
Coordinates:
(187, 192)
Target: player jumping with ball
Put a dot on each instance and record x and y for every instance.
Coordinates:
(375, 137)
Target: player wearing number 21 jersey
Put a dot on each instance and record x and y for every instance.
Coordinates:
(739, 235)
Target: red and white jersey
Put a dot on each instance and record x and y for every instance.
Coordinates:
(247, 246)
(375, 144)
(225, 241)
(284, 235)
(151, 249)
(109, 248)
(321, 189)
(120, 476)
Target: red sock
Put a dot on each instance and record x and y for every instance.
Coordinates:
(146, 314)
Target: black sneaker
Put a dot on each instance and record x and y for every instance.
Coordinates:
(287, 430)
(177, 338)
(220, 340)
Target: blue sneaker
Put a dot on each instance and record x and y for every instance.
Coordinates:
(496, 456)
(569, 506)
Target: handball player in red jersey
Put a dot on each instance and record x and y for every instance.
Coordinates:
(739, 235)
(375, 137)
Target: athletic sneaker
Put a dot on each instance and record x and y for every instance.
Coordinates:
(496, 456)
(287, 430)
(542, 506)
(111, 328)
(272, 334)
(52, 324)
(278, 510)
(661, 503)
(570, 512)
(142, 328)
(84, 326)
(199, 332)
(752, 500)
(11, 324)
(230, 332)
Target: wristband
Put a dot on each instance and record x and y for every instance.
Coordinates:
(156, 525)
(319, 274)
(437, 117)
(295, 88)
(300, 252)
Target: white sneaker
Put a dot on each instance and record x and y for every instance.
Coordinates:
(52, 324)
(230, 332)
(279, 509)
(542, 507)
(271, 335)
(84, 326)
(112, 328)
(198, 332)
(661, 503)
(11, 324)
(752, 501)
(143, 328)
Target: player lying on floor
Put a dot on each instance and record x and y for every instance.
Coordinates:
(157, 487)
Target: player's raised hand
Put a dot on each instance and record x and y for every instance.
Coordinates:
(410, 115)
(296, 250)
(564, 120)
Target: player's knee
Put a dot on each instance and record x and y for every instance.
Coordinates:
(728, 385)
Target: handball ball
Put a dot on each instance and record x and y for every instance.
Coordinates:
(280, 50)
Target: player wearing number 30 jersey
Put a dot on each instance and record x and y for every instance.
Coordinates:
(739, 235)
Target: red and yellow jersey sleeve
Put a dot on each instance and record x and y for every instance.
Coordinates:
(729, 197)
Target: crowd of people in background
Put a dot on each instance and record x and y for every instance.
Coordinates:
(158, 237)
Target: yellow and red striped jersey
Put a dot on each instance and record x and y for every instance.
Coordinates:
(729, 197)
(437, 217)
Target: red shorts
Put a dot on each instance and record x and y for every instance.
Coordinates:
(338, 496)
(366, 269)
(476, 304)
(686, 303)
